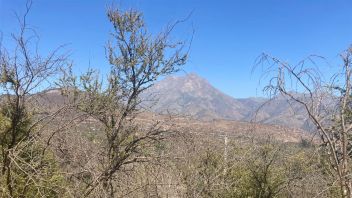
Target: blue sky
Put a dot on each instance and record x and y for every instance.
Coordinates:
(229, 35)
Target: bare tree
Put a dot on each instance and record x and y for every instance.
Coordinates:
(327, 104)
(24, 72)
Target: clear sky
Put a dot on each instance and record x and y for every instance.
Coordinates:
(229, 35)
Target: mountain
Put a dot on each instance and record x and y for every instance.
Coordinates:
(201, 95)
(194, 96)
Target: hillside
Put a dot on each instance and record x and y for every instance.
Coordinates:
(207, 122)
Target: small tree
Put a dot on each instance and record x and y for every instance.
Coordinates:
(328, 106)
(137, 60)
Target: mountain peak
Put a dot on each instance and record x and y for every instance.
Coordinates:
(193, 82)
(194, 95)
(193, 75)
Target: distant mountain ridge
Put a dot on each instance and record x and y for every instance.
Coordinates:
(194, 96)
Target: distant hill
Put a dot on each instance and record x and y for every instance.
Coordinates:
(194, 96)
